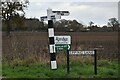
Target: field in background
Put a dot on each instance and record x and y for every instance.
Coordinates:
(27, 48)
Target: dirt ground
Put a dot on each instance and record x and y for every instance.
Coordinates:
(20, 44)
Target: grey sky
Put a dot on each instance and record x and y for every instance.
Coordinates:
(98, 12)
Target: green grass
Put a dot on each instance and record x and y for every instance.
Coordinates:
(108, 68)
(77, 69)
(0, 69)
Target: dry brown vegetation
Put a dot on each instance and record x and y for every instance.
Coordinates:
(23, 48)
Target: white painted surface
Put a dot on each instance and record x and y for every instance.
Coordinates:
(52, 48)
(53, 65)
(62, 39)
(53, 15)
(81, 52)
(49, 13)
(62, 13)
(51, 32)
(68, 47)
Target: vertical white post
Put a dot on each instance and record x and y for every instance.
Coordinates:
(119, 12)
(49, 13)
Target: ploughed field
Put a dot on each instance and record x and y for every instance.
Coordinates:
(35, 45)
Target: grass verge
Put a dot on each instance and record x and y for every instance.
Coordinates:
(78, 69)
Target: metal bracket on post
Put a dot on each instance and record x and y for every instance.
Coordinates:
(68, 61)
(95, 62)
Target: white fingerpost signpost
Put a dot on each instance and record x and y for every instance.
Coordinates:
(52, 16)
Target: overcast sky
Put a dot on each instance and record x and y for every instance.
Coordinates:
(98, 11)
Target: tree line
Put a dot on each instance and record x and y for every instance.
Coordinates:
(19, 23)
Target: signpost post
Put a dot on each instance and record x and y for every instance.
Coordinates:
(95, 62)
(62, 43)
(52, 16)
(68, 60)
